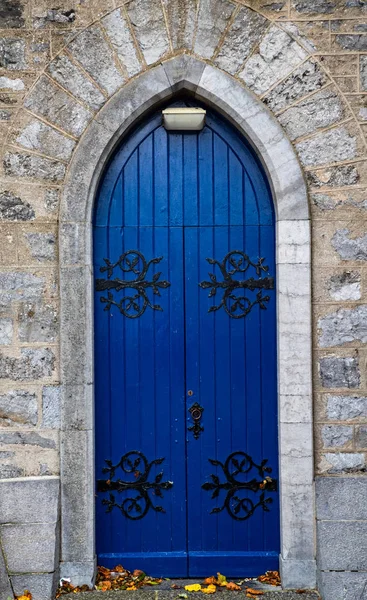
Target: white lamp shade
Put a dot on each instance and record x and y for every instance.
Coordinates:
(183, 119)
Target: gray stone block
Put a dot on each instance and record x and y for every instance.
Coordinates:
(341, 545)
(42, 587)
(327, 147)
(91, 49)
(19, 286)
(363, 72)
(119, 33)
(51, 407)
(26, 439)
(52, 198)
(349, 248)
(343, 326)
(278, 55)
(29, 500)
(30, 548)
(12, 15)
(342, 586)
(37, 322)
(10, 471)
(341, 498)
(80, 573)
(213, 18)
(244, 33)
(56, 106)
(357, 43)
(321, 110)
(42, 246)
(12, 54)
(46, 140)
(344, 408)
(78, 407)
(6, 331)
(337, 372)
(181, 23)
(305, 79)
(67, 74)
(34, 363)
(13, 208)
(5, 587)
(32, 166)
(149, 28)
(334, 177)
(18, 408)
(184, 71)
(345, 286)
(345, 462)
(336, 436)
(361, 437)
(300, 574)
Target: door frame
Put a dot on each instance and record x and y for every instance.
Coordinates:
(241, 108)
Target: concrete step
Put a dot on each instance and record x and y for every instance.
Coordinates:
(151, 594)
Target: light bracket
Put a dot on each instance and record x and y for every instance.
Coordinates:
(184, 119)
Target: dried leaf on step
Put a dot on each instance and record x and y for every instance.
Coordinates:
(26, 596)
(211, 589)
(210, 581)
(254, 592)
(221, 579)
(194, 587)
(231, 585)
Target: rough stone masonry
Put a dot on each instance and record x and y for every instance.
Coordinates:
(60, 63)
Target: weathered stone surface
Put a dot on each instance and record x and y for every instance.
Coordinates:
(344, 462)
(67, 74)
(121, 39)
(334, 176)
(149, 28)
(52, 198)
(39, 136)
(11, 14)
(349, 248)
(32, 166)
(42, 587)
(17, 408)
(37, 322)
(337, 547)
(345, 286)
(343, 326)
(358, 43)
(33, 363)
(318, 111)
(336, 436)
(92, 51)
(305, 79)
(213, 18)
(15, 85)
(363, 71)
(245, 32)
(29, 548)
(181, 18)
(56, 106)
(327, 147)
(6, 590)
(306, 7)
(6, 331)
(51, 407)
(343, 585)
(345, 408)
(31, 500)
(19, 286)
(337, 498)
(361, 437)
(12, 54)
(42, 246)
(10, 471)
(13, 208)
(337, 372)
(341, 201)
(26, 439)
(278, 55)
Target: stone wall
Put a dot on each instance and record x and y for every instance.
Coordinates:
(307, 62)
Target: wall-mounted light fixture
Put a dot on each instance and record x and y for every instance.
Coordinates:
(184, 119)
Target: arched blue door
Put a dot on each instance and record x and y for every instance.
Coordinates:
(185, 356)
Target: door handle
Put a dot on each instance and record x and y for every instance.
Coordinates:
(196, 412)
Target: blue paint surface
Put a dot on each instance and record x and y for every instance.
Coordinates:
(185, 197)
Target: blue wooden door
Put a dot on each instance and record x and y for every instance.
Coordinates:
(185, 356)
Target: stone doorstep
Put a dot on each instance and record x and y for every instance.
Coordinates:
(149, 594)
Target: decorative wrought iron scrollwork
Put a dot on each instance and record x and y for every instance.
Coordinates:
(238, 306)
(237, 464)
(196, 412)
(136, 464)
(134, 262)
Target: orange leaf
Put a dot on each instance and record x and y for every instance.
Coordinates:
(233, 586)
(211, 589)
(131, 588)
(210, 581)
(26, 596)
(119, 569)
(104, 586)
(254, 592)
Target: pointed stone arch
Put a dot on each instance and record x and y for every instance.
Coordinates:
(255, 121)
